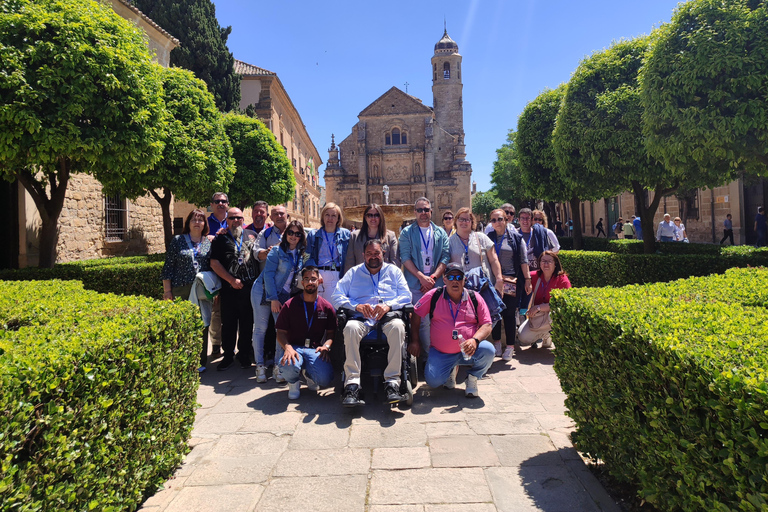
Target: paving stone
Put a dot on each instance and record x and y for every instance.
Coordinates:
(223, 498)
(341, 461)
(284, 423)
(462, 451)
(314, 436)
(220, 423)
(520, 450)
(412, 457)
(520, 402)
(464, 507)
(318, 494)
(503, 423)
(553, 402)
(241, 470)
(592, 485)
(396, 508)
(550, 421)
(448, 428)
(527, 488)
(207, 397)
(562, 442)
(249, 444)
(399, 434)
(437, 485)
(194, 458)
(540, 384)
(239, 400)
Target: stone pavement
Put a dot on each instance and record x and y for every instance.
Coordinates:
(508, 450)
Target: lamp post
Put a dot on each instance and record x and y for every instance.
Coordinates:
(305, 197)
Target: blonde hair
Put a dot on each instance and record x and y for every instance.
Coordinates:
(332, 206)
(543, 215)
(471, 216)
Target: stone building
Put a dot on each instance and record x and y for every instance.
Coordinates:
(91, 224)
(414, 149)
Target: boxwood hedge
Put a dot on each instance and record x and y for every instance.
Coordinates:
(668, 384)
(635, 246)
(97, 395)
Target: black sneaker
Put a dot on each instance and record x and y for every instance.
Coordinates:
(225, 363)
(245, 364)
(216, 352)
(351, 396)
(393, 393)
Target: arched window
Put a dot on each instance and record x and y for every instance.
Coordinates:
(404, 138)
(446, 70)
(395, 137)
(387, 139)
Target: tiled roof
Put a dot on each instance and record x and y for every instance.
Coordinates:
(149, 21)
(245, 69)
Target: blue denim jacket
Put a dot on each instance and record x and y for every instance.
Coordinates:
(410, 249)
(315, 239)
(277, 268)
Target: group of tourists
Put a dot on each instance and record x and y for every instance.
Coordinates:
(274, 280)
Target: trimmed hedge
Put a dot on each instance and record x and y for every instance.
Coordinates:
(635, 246)
(668, 384)
(98, 395)
(132, 275)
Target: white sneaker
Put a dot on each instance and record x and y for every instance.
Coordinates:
(509, 353)
(547, 342)
(471, 384)
(497, 346)
(451, 382)
(294, 390)
(311, 385)
(278, 375)
(261, 373)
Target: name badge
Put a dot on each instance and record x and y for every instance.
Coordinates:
(195, 265)
(321, 315)
(307, 343)
(240, 260)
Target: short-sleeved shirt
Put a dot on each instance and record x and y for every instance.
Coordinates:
(556, 283)
(224, 249)
(214, 225)
(508, 257)
(478, 244)
(468, 321)
(294, 318)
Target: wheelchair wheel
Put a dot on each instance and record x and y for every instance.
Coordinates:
(408, 396)
(413, 372)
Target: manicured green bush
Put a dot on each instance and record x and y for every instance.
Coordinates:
(98, 395)
(668, 384)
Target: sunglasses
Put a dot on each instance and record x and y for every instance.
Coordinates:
(455, 277)
(447, 218)
(509, 212)
(537, 219)
(498, 220)
(422, 210)
(235, 217)
(372, 215)
(292, 233)
(220, 201)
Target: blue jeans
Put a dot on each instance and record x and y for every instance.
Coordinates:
(440, 365)
(416, 295)
(261, 322)
(667, 238)
(319, 370)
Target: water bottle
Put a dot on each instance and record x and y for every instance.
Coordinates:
(461, 347)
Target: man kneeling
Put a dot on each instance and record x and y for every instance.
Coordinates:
(303, 322)
(372, 289)
(460, 322)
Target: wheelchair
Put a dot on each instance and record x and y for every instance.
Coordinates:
(374, 350)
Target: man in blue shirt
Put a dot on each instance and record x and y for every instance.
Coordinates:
(761, 228)
(638, 227)
(219, 207)
(372, 290)
(424, 254)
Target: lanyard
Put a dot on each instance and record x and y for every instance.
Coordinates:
(498, 242)
(195, 247)
(466, 246)
(237, 246)
(309, 318)
(530, 236)
(376, 283)
(331, 247)
(428, 239)
(458, 307)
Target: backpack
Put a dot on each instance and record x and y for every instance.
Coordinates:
(439, 293)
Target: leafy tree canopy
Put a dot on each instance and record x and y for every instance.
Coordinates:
(507, 177)
(203, 47)
(78, 94)
(263, 169)
(485, 202)
(704, 89)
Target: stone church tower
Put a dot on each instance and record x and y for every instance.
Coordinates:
(414, 149)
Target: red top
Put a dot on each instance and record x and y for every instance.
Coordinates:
(556, 282)
(294, 315)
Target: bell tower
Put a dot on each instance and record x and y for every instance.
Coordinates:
(447, 87)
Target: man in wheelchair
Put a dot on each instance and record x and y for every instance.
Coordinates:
(372, 292)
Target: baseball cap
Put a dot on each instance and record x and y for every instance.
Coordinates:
(455, 267)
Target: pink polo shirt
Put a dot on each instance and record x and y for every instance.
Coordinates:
(468, 321)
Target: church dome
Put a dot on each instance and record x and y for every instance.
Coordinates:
(446, 44)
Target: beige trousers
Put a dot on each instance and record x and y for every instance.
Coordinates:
(354, 331)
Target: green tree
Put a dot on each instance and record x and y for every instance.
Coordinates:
(507, 177)
(704, 89)
(263, 169)
(198, 156)
(203, 48)
(78, 94)
(484, 203)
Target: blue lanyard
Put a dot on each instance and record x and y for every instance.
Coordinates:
(458, 308)
(530, 236)
(498, 242)
(466, 246)
(238, 246)
(376, 283)
(427, 241)
(308, 317)
(331, 247)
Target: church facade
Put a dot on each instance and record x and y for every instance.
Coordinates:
(414, 149)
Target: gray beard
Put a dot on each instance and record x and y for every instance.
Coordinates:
(237, 231)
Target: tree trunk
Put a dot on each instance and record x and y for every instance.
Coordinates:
(578, 242)
(647, 213)
(165, 206)
(49, 208)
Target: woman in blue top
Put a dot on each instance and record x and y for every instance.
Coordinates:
(327, 248)
(273, 289)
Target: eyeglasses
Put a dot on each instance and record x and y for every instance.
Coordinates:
(525, 218)
(292, 233)
(448, 218)
(463, 219)
(547, 262)
(310, 279)
(422, 210)
(372, 215)
(455, 277)
(509, 212)
(235, 217)
(220, 201)
(500, 219)
(538, 219)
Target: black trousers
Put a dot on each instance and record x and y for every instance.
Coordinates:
(508, 317)
(727, 233)
(237, 323)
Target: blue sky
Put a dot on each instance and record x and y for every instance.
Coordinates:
(336, 57)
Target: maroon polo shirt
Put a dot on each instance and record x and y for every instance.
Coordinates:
(294, 315)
